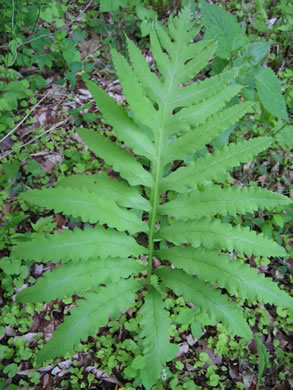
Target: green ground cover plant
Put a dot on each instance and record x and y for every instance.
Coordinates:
(180, 211)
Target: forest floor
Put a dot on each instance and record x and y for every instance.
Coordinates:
(39, 144)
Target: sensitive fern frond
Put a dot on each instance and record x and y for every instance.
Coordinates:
(171, 117)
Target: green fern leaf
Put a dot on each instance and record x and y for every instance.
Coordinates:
(75, 278)
(155, 331)
(188, 58)
(118, 191)
(125, 128)
(183, 28)
(212, 165)
(91, 314)
(208, 299)
(197, 114)
(202, 90)
(221, 236)
(198, 137)
(193, 58)
(138, 102)
(237, 278)
(216, 200)
(122, 161)
(87, 206)
(78, 245)
(150, 83)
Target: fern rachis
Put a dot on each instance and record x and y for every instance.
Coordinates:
(161, 112)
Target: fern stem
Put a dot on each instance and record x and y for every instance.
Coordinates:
(155, 198)
(157, 168)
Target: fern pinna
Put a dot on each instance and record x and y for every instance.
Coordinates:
(169, 119)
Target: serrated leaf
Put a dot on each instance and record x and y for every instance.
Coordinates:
(117, 190)
(209, 299)
(213, 165)
(85, 205)
(76, 278)
(221, 236)
(78, 245)
(128, 167)
(91, 314)
(285, 137)
(254, 52)
(224, 27)
(270, 92)
(224, 201)
(155, 331)
(237, 278)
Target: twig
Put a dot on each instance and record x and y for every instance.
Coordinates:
(36, 21)
(12, 16)
(37, 137)
(52, 34)
(24, 118)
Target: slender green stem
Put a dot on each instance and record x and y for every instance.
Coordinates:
(155, 196)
